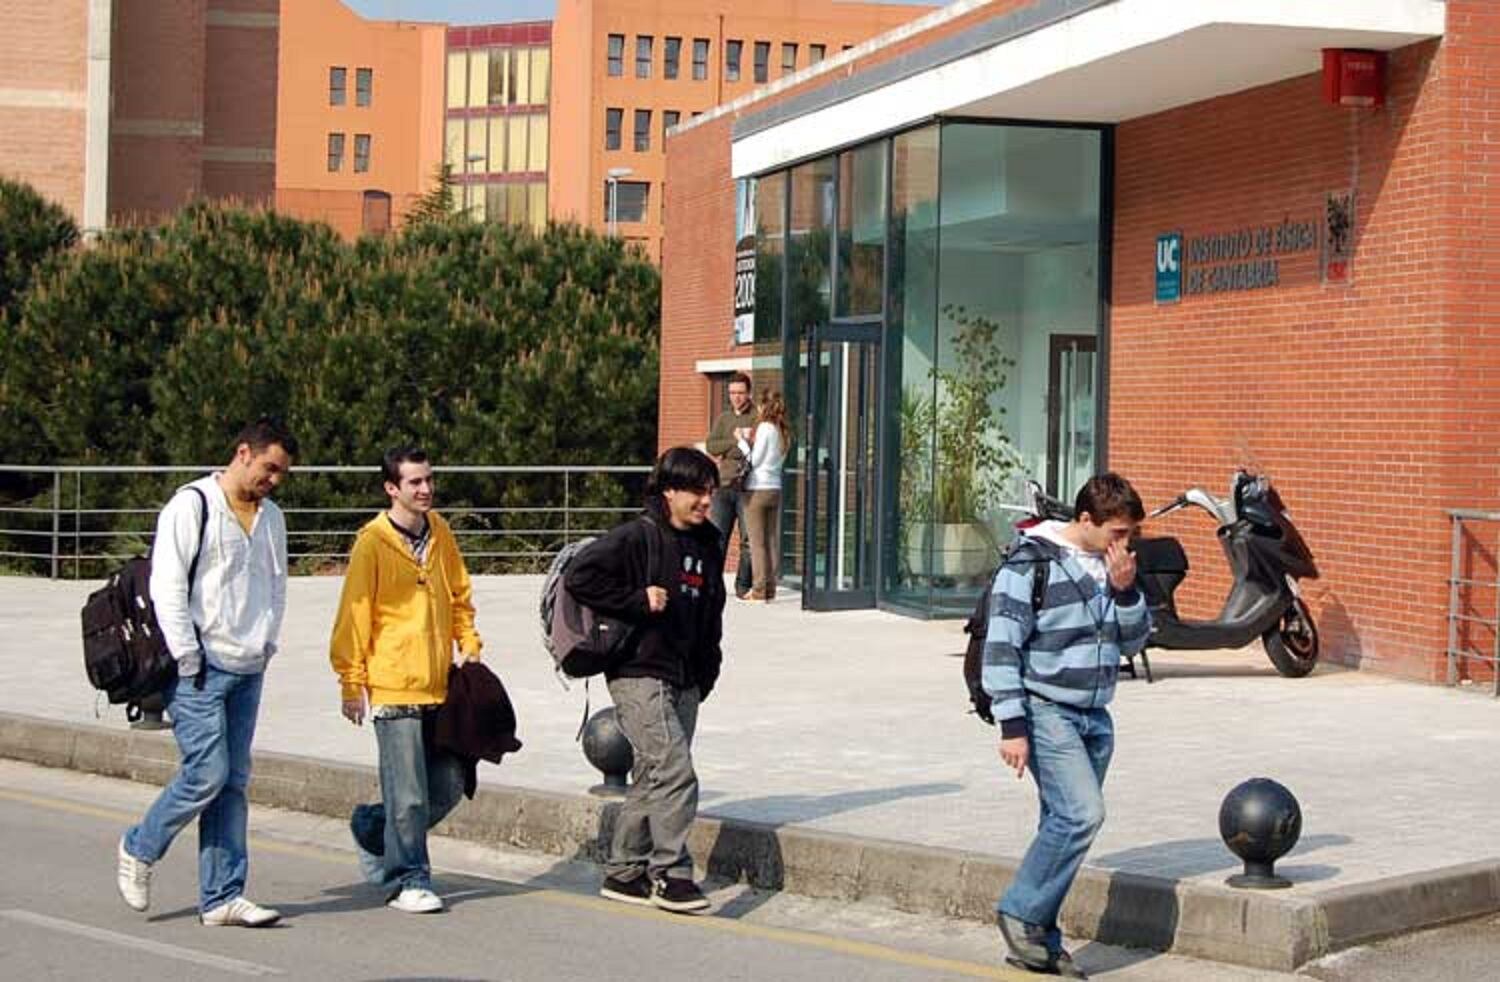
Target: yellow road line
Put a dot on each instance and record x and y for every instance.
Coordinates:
(788, 936)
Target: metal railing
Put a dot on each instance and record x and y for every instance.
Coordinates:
(507, 518)
(1464, 619)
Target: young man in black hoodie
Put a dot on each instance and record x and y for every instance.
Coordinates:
(678, 607)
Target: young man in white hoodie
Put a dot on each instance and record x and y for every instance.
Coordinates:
(222, 629)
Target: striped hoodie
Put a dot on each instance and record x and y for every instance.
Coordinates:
(1069, 652)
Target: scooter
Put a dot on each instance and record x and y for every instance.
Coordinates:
(1267, 556)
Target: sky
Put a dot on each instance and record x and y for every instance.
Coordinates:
(490, 11)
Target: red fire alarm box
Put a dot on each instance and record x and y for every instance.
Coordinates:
(1353, 78)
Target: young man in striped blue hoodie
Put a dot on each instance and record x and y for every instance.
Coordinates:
(1050, 673)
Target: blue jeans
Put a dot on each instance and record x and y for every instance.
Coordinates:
(213, 726)
(725, 510)
(1069, 755)
(419, 786)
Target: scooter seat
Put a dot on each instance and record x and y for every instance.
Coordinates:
(1160, 555)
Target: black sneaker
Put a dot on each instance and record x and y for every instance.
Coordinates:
(677, 895)
(636, 891)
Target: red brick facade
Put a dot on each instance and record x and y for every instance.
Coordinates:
(1374, 405)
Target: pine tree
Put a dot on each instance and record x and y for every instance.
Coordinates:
(436, 204)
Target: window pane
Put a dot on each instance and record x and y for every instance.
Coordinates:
(364, 83)
(479, 78)
(361, 152)
(642, 130)
(517, 142)
(815, 53)
(788, 58)
(337, 79)
(672, 54)
(613, 120)
(515, 202)
(633, 198)
(762, 60)
(538, 137)
(669, 119)
(499, 72)
(521, 60)
(476, 199)
(643, 56)
(732, 52)
(476, 154)
(453, 153)
(458, 78)
(335, 151)
(700, 59)
(911, 333)
(536, 193)
(494, 202)
(541, 66)
(497, 144)
(770, 252)
(616, 55)
(861, 243)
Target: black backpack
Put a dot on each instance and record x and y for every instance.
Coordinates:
(978, 625)
(124, 652)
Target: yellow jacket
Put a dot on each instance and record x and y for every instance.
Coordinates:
(397, 621)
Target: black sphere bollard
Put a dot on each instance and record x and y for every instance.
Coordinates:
(1260, 821)
(605, 746)
(148, 713)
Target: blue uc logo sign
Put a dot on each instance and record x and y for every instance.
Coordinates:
(1169, 267)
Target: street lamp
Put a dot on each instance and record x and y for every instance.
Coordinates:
(469, 162)
(612, 178)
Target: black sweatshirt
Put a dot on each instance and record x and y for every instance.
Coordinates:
(679, 645)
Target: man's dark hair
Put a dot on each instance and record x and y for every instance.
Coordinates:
(1107, 496)
(390, 464)
(739, 378)
(264, 432)
(683, 469)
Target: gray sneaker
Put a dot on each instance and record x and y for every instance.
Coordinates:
(1027, 944)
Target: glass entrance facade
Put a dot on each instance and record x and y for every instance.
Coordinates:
(933, 306)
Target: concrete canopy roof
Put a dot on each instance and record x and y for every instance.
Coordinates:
(1110, 61)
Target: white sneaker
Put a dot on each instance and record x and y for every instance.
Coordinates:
(133, 877)
(240, 912)
(416, 900)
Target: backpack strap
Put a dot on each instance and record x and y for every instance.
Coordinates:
(201, 678)
(1040, 562)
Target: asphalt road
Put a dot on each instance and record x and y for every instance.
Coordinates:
(510, 916)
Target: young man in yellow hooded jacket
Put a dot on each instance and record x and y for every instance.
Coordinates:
(407, 601)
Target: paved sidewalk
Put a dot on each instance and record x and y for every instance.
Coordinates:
(855, 723)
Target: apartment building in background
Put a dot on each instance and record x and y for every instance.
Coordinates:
(626, 71)
(125, 110)
(360, 113)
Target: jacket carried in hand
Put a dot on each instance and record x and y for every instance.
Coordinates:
(611, 576)
(398, 620)
(1068, 653)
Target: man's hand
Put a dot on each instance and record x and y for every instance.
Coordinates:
(656, 599)
(1121, 563)
(1014, 752)
(354, 710)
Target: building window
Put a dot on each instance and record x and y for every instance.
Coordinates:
(364, 83)
(732, 52)
(669, 118)
(815, 53)
(335, 152)
(458, 78)
(762, 60)
(338, 78)
(361, 152)
(696, 114)
(700, 59)
(643, 56)
(847, 47)
(788, 59)
(612, 120)
(642, 130)
(673, 54)
(631, 198)
(616, 55)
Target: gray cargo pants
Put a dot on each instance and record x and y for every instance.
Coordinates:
(651, 829)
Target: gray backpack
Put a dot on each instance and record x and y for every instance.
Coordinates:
(582, 641)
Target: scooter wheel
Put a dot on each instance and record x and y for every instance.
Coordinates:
(1293, 644)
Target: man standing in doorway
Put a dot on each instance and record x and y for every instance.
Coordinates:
(723, 444)
(663, 573)
(221, 628)
(1050, 698)
(407, 601)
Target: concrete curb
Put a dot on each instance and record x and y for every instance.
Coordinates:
(1279, 931)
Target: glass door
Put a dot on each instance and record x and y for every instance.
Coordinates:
(1071, 398)
(838, 493)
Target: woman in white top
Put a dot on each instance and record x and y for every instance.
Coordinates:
(765, 450)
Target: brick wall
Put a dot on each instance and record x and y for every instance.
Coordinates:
(45, 68)
(239, 101)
